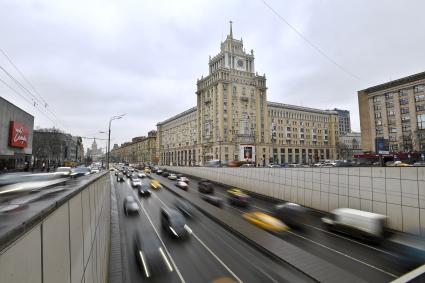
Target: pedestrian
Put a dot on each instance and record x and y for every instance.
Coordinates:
(43, 166)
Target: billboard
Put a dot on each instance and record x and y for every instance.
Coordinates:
(382, 146)
(18, 135)
(247, 152)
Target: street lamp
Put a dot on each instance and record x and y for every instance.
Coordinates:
(109, 136)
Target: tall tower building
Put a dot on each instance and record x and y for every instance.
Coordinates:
(232, 106)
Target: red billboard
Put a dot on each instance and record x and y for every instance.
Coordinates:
(18, 135)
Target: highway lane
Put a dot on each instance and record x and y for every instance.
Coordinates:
(212, 252)
(368, 262)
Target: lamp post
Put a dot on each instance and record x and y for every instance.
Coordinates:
(109, 136)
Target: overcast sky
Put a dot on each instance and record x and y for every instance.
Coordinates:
(91, 60)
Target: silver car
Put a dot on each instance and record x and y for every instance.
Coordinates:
(130, 205)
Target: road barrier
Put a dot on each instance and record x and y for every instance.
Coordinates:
(69, 242)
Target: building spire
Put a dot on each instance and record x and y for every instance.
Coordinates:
(231, 32)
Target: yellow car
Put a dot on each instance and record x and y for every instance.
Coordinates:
(155, 184)
(265, 221)
(235, 191)
(147, 170)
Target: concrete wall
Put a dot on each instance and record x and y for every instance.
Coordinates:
(69, 245)
(398, 193)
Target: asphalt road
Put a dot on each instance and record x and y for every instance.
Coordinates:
(371, 263)
(210, 253)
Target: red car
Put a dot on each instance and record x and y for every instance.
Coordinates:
(182, 185)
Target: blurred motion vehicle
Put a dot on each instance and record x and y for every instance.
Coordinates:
(182, 185)
(185, 208)
(172, 176)
(419, 163)
(144, 191)
(155, 184)
(150, 255)
(236, 163)
(141, 175)
(213, 163)
(120, 177)
(408, 248)
(265, 221)
(183, 179)
(130, 205)
(367, 226)
(94, 170)
(292, 214)
(147, 170)
(65, 171)
(398, 163)
(80, 171)
(205, 187)
(158, 172)
(173, 222)
(136, 182)
(154, 169)
(212, 199)
(134, 176)
(248, 165)
(165, 174)
(237, 197)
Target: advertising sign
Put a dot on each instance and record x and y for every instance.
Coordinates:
(18, 135)
(381, 146)
(247, 152)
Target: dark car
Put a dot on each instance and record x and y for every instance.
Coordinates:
(292, 214)
(237, 197)
(165, 174)
(185, 208)
(205, 187)
(144, 191)
(130, 205)
(159, 171)
(182, 185)
(120, 177)
(173, 222)
(80, 171)
(183, 178)
(151, 256)
(212, 199)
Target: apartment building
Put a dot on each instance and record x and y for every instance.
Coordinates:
(139, 150)
(395, 112)
(233, 120)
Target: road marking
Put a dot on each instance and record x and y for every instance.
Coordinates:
(206, 247)
(343, 254)
(162, 242)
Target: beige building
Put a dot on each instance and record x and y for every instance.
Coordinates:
(140, 150)
(394, 111)
(234, 121)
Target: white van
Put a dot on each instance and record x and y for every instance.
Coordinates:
(362, 224)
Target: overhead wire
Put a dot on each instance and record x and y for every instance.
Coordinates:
(309, 42)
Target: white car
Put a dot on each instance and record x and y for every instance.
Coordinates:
(136, 182)
(141, 175)
(172, 177)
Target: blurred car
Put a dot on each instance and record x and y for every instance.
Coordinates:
(183, 179)
(205, 187)
(116, 173)
(155, 184)
(141, 175)
(173, 222)
(237, 197)
(158, 172)
(419, 163)
(265, 221)
(185, 208)
(212, 199)
(398, 163)
(182, 185)
(273, 166)
(154, 169)
(235, 163)
(120, 177)
(136, 182)
(172, 176)
(94, 170)
(248, 165)
(147, 170)
(134, 176)
(165, 174)
(144, 191)
(150, 255)
(294, 215)
(80, 171)
(65, 171)
(130, 205)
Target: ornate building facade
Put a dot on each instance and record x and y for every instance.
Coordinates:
(234, 121)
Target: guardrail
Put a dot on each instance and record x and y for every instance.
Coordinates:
(67, 242)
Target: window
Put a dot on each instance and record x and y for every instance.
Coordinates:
(404, 101)
(420, 118)
(393, 138)
(379, 131)
(377, 107)
(389, 95)
(377, 99)
(405, 128)
(405, 119)
(420, 107)
(393, 129)
(391, 112)
(420, 97)
(390, 104)
(378, 115)
(404, 110)
(403, 92)
(418, 88)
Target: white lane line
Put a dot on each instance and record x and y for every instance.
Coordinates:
(207, 248)
(217, 258)
(162, 242)
(343, 254)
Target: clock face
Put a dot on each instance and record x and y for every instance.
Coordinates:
(240, 63)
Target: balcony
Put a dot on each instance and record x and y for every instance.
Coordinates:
(244, 98)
